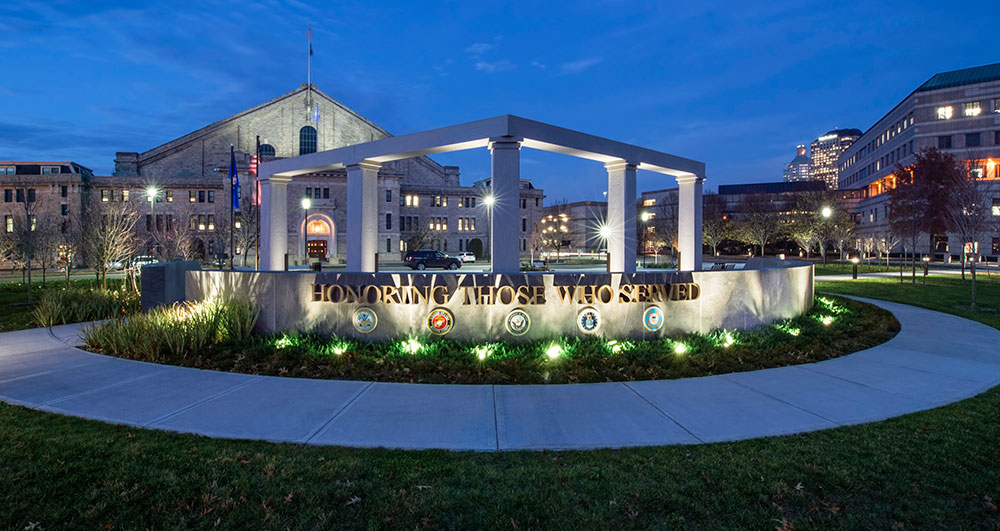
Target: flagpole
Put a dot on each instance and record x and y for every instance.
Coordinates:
(232, 210)
(256, 191)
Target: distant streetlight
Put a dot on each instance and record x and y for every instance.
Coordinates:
(306, 204)
(489, 200)
(827, 212)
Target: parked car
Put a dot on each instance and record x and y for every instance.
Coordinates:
(466, 256)
(423, 258)
(142, 260)
(114, 264)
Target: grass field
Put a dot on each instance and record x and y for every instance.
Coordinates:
(934, 469)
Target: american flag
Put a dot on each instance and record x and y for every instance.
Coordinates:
(253, 166)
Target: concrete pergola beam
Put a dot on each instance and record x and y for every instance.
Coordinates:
(508, 133)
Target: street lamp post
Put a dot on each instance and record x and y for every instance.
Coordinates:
(488, 201)
(645, 236)
(151, 193)
(306, 204)
(826, 213)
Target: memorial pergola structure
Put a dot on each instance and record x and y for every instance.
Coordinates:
(504, 136)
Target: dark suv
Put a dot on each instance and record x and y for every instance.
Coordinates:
(423, 258)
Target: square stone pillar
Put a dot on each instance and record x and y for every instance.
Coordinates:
(505, 213)
(362, 216)
(689, 242)
(273, 222)
(620, 229)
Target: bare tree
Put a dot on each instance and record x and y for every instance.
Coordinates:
(716, 225)
(968, 215)
(760, 224)
(111, 234)
(27, 238)
(246, 228)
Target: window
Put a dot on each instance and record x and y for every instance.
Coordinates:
(971, 109)
(309, 192)
(972, 140)
(50, 170)
(31, 195)
(524, 203)
(104, 195)
(149, 223)
(388, 222)
(192, 196)
(193, 222)
(996, 245)
(211, 222)
(307, 140)
(170, 196)
(7, 170)
(64, 209)
(996, 105)
(473, 226)
(211, 196)
(996, 207)
(125, 195)
(524, 225)
(326, 193)
(412, 200)
(944, 113)
(388, 196)
(266, 150)
(8, 195)
(648, 202)
(63, 191)
(944, 142)
(996, 137)
(201, 196)
(201, 222)
(8, 222)
(388, 245)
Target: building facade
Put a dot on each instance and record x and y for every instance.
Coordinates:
(425, 205)
(956, 112)
(825, 152)
(800, 167)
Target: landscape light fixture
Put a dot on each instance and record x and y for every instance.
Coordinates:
(827, 212)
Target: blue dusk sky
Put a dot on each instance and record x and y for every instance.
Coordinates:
(734, 84)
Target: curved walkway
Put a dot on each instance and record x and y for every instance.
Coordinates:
(936, 359)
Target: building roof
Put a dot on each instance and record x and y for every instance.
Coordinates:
(965, 76)
(844, 132)
(801, 159)
(780, 187)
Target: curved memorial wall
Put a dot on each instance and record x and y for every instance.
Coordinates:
(488, 306)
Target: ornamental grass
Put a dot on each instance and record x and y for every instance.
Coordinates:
(833, 328)
(174, 332)
(74, 305)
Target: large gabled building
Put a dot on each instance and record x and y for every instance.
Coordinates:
(424, 203)
(956, 112)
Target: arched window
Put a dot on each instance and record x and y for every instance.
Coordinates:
(307, 140)
(266, 150)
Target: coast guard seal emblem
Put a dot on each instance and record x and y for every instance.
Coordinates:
(517, 322)
(588, 320)
(440, 321)
(365, 320)
(652, 318)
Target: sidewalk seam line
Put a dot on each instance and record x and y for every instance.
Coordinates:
(98, 389)
(787, 403)
(862, 384)
(197, 403)
(32, 375)
(662, 412)
(309, 437)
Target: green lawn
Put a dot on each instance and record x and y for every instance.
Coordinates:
(845, 269)
(935, 469)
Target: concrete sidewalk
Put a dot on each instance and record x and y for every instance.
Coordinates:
(936, 359)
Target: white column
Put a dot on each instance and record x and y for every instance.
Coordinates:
(505, 214)
(362, 216)
(273, 222)
(689, 222)
(621, 216)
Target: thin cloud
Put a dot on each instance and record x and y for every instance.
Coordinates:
(538, 64)
(492, 68)
(479, 48)
(580, 65)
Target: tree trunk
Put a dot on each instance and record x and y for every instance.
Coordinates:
(972, 273)
(68, 263)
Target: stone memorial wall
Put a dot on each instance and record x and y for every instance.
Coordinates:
(488, 306)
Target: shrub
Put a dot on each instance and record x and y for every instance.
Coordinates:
(174, 331)
(74, 305)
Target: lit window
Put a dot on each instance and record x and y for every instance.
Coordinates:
(211, 222)
(192, 196)
(996, 105)
(307, 140)
(8, 223)
(971, 109)
(170, 196)
(125, 195)
(996, 207)
(944, 113)
(648, 202)
(104, 196)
